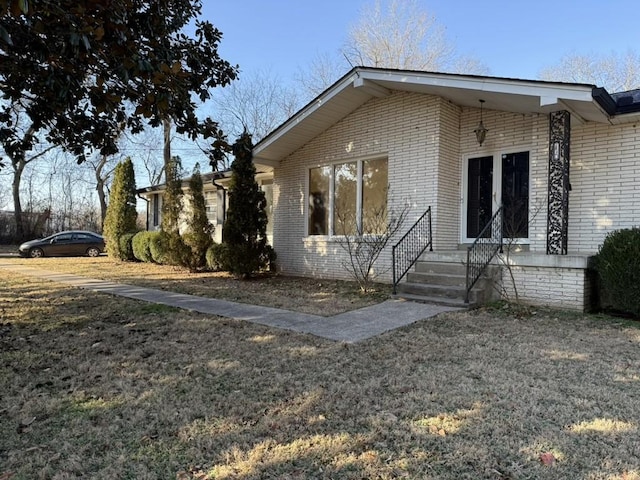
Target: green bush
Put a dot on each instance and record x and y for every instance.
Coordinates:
(197, 236)
(245, 229)
(221, 257)
(618, 267)
(217, 257)
(269, 258)
(140, 246)
(121, 214)
(159, 247)
(125, 247)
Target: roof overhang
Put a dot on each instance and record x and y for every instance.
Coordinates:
(362, 84)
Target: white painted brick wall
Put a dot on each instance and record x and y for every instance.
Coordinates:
(605, 173)
(425, 139)
(448, 179)
(509, 133)
(402, 127)
(565, 288)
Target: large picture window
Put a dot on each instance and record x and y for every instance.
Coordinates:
(347, 198)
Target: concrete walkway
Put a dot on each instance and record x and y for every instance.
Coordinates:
(349, 327)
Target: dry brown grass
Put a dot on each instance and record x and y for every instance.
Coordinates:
(97, 387)
(319, 297)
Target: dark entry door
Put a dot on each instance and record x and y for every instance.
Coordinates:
(515, 195)
(479, 194)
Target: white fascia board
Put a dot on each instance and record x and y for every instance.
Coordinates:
(486, 84)
(371, 87)
(304, 113)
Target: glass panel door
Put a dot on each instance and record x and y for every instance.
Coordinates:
(515, 195)
(479, 194)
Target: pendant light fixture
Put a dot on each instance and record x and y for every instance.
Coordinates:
(480, 131)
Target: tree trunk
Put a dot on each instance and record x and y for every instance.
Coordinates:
(100, 184)
(167, 143)
(18, 168)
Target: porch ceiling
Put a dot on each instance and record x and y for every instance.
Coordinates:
(362, 84)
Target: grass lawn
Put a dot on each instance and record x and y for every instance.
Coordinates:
(306, 295)
(93, 386)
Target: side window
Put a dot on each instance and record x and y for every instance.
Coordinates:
(64, 238)
(319, 181)
(349, 197)
(156, 209)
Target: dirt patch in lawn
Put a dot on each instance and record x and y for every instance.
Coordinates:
(98, 387)
(307, 295)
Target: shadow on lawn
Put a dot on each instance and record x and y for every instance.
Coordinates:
(118, 388)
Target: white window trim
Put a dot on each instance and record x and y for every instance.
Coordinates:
(496, 187)
(359, 162)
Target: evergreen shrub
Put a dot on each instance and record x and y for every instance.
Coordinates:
(199, 230)
(618, 267)
(159, 247)
(217, 257)
(140, 244)
(126, 249)
(245, 228)
(121, 216)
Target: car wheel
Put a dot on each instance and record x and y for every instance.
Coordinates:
(93, 251)
(36, 253)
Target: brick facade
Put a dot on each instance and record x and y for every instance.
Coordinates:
(426, 140)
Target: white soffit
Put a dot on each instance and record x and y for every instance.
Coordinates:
(361, 85)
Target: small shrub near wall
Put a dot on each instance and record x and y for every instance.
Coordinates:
(126, 248)
(140, 244)
(159, 247)
(216, 257)
(618, 267)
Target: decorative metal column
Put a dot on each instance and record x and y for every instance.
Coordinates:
(559, 186)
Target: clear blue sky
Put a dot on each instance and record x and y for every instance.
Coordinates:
(513, 38)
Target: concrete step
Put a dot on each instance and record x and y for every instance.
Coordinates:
(441, 278)
(446, 279)
(443, 268)
(437, 278)
(440, 291)
(447, 302)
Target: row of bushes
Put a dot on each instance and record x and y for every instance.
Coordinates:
(153, 247)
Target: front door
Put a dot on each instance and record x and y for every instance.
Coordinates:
(493, 180)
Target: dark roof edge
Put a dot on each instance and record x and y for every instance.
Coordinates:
(605, 100)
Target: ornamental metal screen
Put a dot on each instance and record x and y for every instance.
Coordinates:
(559, 186)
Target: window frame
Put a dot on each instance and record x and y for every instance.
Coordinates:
(359, 193)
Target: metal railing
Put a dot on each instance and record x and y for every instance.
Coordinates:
(483, 249)
(413, 244)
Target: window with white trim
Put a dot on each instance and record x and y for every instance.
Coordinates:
(348, 198)
(211, 205)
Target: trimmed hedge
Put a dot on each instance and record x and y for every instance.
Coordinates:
(216, 257)
(618, 267)
(140, 245)
(125, 247)
(159, 247)
(223, 257)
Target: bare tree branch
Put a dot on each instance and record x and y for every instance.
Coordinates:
(615, 72)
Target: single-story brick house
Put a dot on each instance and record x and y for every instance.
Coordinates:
(214, 186)
(562, 158)
(553, 165)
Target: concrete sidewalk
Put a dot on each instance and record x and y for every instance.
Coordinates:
(349, 327)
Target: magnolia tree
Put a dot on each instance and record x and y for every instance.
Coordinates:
(79, 73)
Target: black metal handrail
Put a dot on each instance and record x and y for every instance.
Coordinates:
(483, 249)
(409, 248)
